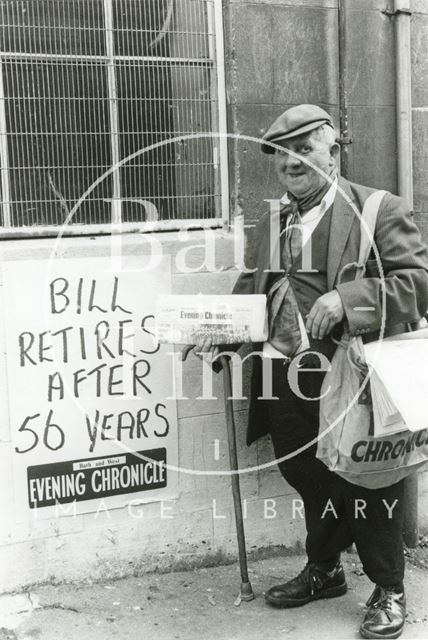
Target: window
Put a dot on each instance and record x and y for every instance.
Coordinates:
(84, 84)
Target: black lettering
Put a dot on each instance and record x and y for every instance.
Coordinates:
(411, 443)
(138, 377)
(77, 380)
(354, 452)
(79, 296)
(112, 382)
(385, 450)
(420, 438)
(122, 338)
(141, 422)
(42, 348)
(121, 426)
(23, 348)
(159, 414)
(82, 342)
(156, 345)
(398, 449)
(92, 304)
(372, 450)
(55, 383)
(115, 304)
(60, 294)
(48, 429)
(93, 430)
(63, 333)
(97, 371)
(106, 427)
(101, 338)
(24, 427)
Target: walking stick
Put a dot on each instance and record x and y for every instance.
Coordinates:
(246, 588)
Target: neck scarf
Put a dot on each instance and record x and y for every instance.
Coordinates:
(312, 199)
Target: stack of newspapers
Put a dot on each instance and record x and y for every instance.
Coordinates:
(399, 382)
(227, 319)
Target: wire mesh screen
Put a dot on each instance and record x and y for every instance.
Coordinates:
(86, 83)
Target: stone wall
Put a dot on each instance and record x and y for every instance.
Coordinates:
(285, 52)
(195, 529)
(278, 53)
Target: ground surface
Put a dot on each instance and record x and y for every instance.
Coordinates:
(200, 605)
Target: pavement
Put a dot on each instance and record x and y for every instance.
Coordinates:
(200, 605)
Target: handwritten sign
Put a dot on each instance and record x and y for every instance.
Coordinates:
(90, 389)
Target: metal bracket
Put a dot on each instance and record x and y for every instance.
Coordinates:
(390, 12)
(345, 140)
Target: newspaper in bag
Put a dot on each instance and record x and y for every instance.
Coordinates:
(346, 441)
(398, 383)
(226, 319)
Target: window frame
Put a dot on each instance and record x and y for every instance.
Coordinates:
(216, 62)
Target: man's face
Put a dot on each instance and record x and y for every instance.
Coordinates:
(294, 174)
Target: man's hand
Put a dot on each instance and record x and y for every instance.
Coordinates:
(204, 345)
(327, 311)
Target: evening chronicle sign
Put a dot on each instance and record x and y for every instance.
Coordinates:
(92, 415)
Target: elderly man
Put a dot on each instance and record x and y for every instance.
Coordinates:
(306, 307)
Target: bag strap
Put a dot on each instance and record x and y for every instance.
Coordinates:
(368, 224)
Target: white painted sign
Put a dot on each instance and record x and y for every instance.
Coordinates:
(90, 390)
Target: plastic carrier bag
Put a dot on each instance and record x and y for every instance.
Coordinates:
(346, 442)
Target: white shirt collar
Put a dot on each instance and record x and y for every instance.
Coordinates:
(325, 203)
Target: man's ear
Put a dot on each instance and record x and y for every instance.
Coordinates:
(335, 151)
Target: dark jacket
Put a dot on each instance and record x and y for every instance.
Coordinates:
(404, 261)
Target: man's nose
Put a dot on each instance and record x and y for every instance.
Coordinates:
(292, 162)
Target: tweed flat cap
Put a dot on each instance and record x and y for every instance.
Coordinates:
(294, 122)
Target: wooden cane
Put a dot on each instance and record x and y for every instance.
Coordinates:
(246, 588)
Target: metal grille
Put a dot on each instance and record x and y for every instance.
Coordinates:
(86, 83)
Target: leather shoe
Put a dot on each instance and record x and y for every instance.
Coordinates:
(310, 584)
(385, 615)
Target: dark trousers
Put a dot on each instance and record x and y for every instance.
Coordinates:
(337, 513)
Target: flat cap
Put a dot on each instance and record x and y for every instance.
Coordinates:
(294, 122)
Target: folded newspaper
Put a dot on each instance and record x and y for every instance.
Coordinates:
(183, 319)
(399, 382)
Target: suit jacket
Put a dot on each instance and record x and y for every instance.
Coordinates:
(404, 261)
